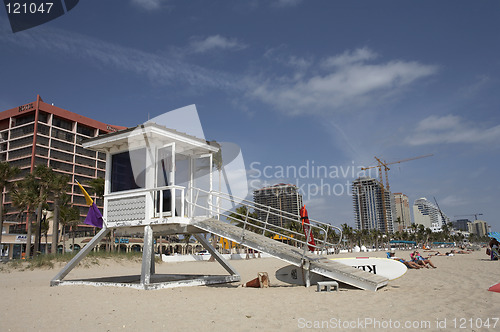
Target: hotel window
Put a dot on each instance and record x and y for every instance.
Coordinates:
(61, 166)
(61, 146)
(61, 123)
(61, 156)
(84, 161)
(40, 161)
(65, 136)
(40, 140)
(84, 171)
(27, 118)
(85, 152)
(43, 117)
(21, 142)
(26, 130)
(20, 153)
(42, 151)
(84, 130)
(43, 129)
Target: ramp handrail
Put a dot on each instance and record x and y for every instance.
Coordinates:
(290, 228)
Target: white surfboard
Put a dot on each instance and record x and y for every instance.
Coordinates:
(292, 274)
(389, 268)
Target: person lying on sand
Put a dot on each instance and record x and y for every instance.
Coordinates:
(459, 252)
(409, 264)
(421, 260)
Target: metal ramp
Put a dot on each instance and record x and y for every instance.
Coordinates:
(293, 255)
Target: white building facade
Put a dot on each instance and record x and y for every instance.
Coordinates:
(402, 208)
(427, 213)
(373, 206)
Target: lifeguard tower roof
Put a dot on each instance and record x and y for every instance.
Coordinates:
(151, 132)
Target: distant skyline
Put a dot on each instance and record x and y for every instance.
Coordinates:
(329, 84)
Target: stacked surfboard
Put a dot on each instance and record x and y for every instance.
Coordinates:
(385, 267)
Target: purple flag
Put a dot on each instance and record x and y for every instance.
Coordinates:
(94, 217)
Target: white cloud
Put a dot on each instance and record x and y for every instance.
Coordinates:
(350, 83)
(162, 69)
(451, 129)
(348, 58)
(148, 4)
(216, 42)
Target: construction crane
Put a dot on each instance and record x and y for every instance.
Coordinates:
(470, 215)
(440, 212)
(383, 167)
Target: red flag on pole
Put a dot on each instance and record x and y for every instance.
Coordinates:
(307, 228)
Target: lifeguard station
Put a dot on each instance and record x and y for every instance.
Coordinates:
(159, 182)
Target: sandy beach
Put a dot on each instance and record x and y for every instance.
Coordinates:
(451, 297)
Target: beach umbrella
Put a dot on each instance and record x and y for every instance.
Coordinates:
(307, 228)
(494, 235)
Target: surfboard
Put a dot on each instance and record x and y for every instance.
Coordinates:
(294, 275)
(389, 268)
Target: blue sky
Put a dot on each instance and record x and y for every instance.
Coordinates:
(293, 83)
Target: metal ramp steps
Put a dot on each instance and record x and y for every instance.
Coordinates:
(293, 255)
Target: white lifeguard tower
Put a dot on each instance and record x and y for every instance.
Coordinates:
(159, 182)
(150, 175)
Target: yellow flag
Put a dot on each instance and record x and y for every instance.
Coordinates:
(87, 196)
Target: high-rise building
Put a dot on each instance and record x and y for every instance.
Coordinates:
(38, 133)
(428, 214)
(283, 197)
(479, 228)
(462, 224)
(373, 206)
(402, 217)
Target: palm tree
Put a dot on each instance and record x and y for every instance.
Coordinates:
(59, 188)
(69, 216)
(97, 186)
(45, 176)
(7, 173)
(347, 233)
(399, 222)
(25, 198)
(238, 217)
(45, 226)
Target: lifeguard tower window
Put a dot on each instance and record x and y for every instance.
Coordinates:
(122, 174)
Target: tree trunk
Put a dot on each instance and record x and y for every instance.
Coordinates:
(37, 229)
(55, 227)
(28, 237)
(1, 216)
(64, 241)
(73, 239)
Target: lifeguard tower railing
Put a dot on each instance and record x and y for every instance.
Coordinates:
(130, 207)
(327, 238)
